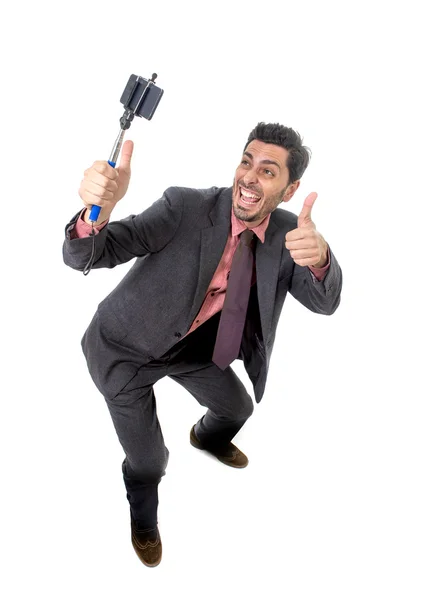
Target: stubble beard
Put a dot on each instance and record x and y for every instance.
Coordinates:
(272, 201)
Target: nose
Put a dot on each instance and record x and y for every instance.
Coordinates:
(250, 177)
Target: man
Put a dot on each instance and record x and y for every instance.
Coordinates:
(212, 272)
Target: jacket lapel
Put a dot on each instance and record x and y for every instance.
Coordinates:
(212, 246)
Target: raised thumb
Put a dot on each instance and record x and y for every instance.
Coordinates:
(305, 214)
(126, 154)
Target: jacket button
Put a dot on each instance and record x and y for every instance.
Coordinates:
(177, 334)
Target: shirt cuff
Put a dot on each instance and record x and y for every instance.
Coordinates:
(83, 229)
(320, 273)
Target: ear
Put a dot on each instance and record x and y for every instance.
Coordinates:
(291, 190)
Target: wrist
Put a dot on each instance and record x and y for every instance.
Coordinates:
(103, 216)
(323, 261)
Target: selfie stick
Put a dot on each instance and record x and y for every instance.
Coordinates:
(125, 122)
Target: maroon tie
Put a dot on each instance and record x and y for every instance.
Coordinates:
(233, 316)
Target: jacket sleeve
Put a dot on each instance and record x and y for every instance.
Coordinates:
(321, 297)
(120, 241)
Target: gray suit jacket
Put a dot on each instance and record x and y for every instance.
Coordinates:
(178, 242)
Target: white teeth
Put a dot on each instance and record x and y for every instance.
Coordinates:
(249, 194)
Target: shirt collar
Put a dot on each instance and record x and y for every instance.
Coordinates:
(238, 226)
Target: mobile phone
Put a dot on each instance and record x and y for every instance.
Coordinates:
(141, 96)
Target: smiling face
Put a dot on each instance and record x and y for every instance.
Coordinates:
(261, 182)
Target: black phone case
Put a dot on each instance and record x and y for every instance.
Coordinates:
(132, 94)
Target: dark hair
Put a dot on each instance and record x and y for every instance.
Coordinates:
(274, 133)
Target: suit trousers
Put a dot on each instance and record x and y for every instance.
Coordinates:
(133, 411)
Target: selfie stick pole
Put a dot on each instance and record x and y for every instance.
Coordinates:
(125, 122)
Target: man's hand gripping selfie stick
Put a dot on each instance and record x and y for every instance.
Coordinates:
(139, 101)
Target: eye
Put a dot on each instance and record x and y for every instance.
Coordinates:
(245, 162)
(268, 172)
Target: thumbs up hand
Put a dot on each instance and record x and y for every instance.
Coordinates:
(307, 247)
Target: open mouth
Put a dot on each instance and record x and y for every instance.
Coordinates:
(248, 198)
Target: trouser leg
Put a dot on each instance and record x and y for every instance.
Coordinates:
(229, 405)
(133, 413)
(221, 392)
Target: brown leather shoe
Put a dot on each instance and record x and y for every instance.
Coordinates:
(233, 457)
(147, 545)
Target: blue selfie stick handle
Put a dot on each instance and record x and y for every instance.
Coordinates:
(94, 213)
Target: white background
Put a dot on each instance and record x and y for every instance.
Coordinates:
(331, 503)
